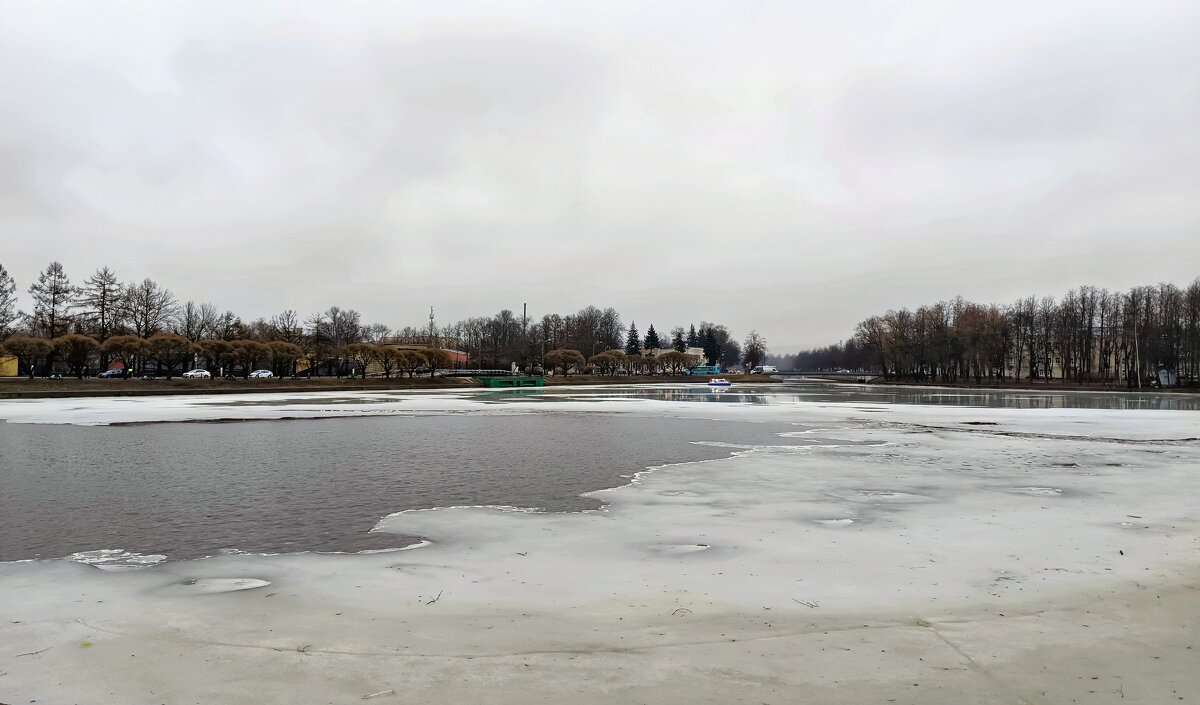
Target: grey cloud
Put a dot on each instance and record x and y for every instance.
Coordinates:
(786, 167)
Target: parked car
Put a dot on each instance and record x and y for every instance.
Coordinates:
(262, 373)
(108, 374)
(197, 374)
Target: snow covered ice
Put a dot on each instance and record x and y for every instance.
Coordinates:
(923, 519)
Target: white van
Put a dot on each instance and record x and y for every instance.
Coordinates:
(764, 370)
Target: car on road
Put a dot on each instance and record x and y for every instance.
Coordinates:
(262, 373)
(107, 374)
(197, 374)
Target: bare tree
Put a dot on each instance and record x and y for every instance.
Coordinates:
(76, 349)
(608, 362)
(676, 362)
(286, 327)
(375, 332)
(755, 350)
(8, 303)
(610, 331)
(332, 330)
(410, 361)
(53, 296)
(259, 329)
(1088, 335)
(361, 355)
(168, 349)
(388, 358)
(197, 321)
(436, 359)
(31, 351)
(565, 360)
(129, 348)
(638, 364)
(872, 336)
(99, 303)
(248, 353)
(148, 307)
(284, 356)
(215, 351)
(229, 327)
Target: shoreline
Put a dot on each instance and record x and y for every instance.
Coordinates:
(19, 388)
(1056, 386)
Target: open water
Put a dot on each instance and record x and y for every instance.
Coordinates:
(184, 490)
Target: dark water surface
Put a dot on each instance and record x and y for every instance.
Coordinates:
(192, 489)
(797, 390)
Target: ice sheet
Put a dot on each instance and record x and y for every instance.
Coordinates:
(865, 509)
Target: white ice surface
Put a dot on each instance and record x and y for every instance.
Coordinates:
(862, 503)
(863, 506)
(1085, 423)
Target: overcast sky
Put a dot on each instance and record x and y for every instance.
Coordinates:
(791, 167)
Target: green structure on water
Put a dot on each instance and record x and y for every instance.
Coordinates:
(513, 381)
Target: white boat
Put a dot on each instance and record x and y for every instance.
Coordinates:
(719, 382)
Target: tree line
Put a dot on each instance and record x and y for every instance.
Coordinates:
(84, 327)
(1088, 335)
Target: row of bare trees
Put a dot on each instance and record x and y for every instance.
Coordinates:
(103, 307)
(169, 352)
(390, 359)
(1088, 335)
(611, 362)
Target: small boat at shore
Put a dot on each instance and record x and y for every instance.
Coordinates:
(719, 382)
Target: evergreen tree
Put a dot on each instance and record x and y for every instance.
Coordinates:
(52, 295)
(652, 341)
(712, 348)
(633, 345)
(8, 303)
(677, 340)
(693, 340)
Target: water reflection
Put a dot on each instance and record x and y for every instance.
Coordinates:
(1008, 399)
(805, 391)
(663, 392)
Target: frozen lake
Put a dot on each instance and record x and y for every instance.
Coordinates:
(86, 477)
(992, 548)
(186, 490)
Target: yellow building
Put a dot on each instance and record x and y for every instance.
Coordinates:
(8, 366)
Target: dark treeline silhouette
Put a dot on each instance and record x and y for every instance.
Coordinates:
(82, 328)
(1089, 335)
